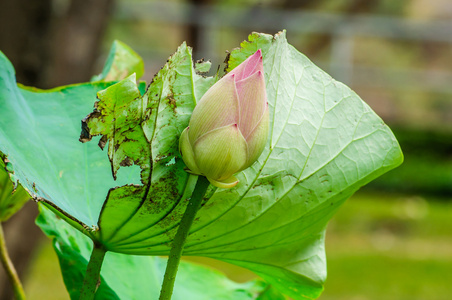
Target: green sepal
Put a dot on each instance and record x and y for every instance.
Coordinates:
(221, 152)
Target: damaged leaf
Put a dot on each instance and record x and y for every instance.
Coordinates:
(133, 212)
(117, 117)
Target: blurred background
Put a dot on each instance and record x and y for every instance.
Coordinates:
(392, 240)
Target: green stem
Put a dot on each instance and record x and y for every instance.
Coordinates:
(91, 280)
(181, 236)
(9, 268)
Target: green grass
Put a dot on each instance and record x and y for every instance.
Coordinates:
(379, 246)
(377, 276)
(382, 246)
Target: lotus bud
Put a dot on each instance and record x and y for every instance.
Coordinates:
(228, 129)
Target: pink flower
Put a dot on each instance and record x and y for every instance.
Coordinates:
(229, 126)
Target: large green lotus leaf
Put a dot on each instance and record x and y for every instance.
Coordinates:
(39, 131)
(325, 143)
(140, 277)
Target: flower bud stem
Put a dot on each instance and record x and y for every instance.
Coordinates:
(91, 280)
(181, 236)
(9, 268)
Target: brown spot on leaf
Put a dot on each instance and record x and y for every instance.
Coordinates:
(172, 102)
(103, 142)
(126, 162)
(226, 61)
